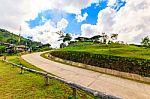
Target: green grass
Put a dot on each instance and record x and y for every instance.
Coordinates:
(14, 85)
(112, 49)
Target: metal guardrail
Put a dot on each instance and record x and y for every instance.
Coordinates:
(99, 95)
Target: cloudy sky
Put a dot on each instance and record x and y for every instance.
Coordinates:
(42, 18)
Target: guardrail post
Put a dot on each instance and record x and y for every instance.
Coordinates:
(46, 79)
(4, 57)
(74, 93)
(21, 69)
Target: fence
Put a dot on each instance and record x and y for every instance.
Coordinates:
(97, 94)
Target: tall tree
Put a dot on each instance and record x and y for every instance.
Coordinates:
(105, 37)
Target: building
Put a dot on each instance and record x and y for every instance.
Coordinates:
(21, 48)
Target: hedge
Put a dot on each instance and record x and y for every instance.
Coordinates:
(124, 64)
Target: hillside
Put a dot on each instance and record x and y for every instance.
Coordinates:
(8, 37)
(120, 57)
(111, 49)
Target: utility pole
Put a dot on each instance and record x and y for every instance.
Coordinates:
(19, 35)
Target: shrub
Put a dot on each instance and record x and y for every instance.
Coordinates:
(124, 64)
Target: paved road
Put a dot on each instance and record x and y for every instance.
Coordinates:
(126, 89)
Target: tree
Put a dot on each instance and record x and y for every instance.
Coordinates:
(105, 37)
(96, 37)
(1, 39)
(82, 39)
(114, 36)
(12, 41)
(146, 41)
(66, 37)
(2, 49)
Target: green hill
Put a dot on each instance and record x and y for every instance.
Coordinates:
(8, 37)
(122, 50)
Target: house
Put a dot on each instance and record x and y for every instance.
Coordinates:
(21, 48)
(82, 39)
(10, 48)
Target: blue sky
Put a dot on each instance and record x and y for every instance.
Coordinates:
(56, 15)
(129, 18)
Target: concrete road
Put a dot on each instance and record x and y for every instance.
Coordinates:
(124, 88)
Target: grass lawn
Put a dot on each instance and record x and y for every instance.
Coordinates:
(14, 85)
(112, 49)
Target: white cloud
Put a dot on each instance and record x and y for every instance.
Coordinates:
(104, 23)
(131, 22)
(111, 2)
(89, 30)
(62, 24)
(81, 18)
(105, 20)
(45, 34)
(15, 12)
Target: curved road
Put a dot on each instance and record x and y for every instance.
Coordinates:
(105, 83)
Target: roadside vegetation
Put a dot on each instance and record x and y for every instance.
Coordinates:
(123, 50)
(31, 86)
(121, 57)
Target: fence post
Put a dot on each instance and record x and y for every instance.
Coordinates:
(46, 79)
(74, 93)
(4, 57)
(21, 68)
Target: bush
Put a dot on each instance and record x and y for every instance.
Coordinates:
(124, 64)
(2, 49)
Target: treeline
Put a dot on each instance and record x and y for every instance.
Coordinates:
(102, 39)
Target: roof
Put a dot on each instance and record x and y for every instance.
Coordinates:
(21, 46)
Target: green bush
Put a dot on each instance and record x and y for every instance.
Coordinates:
(2, 49)
(124, 64)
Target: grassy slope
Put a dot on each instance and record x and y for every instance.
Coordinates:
(113, 49)
(30, 86)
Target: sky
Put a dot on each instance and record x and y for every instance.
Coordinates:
(40, 19)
